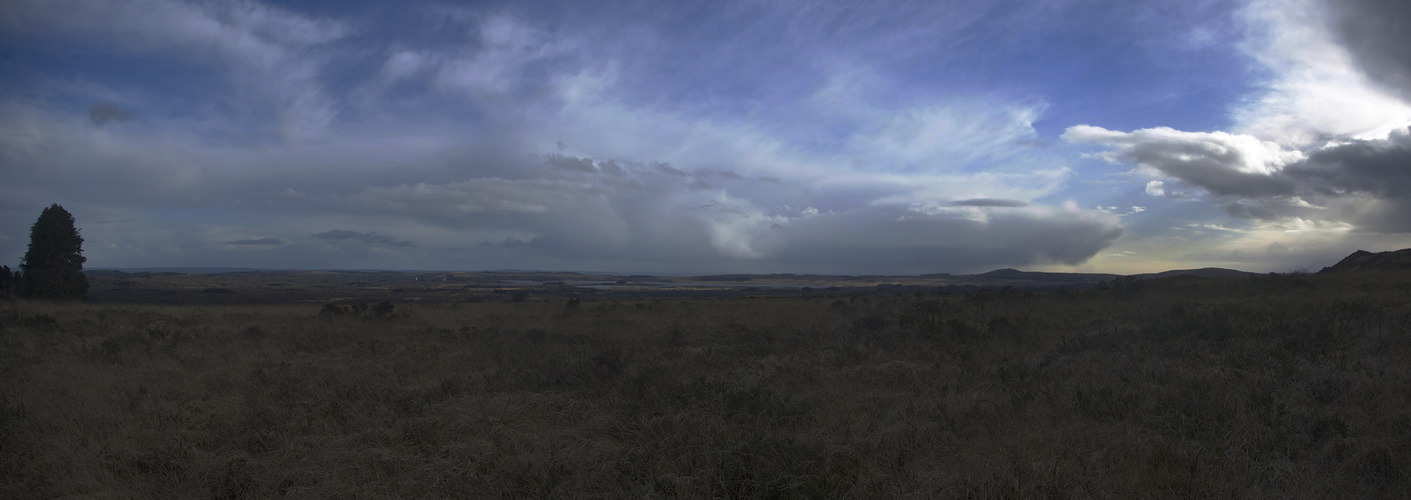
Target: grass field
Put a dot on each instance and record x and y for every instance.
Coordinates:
(1275, 386)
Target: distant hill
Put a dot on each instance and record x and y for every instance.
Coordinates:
(727, 277)
(1363, 260)
(1208, 272)
(1016, 277)
(1033, 276)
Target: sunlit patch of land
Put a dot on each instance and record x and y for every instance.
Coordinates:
(1263, 386)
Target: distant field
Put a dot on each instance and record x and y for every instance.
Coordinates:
(286, 287)
(1267, 386)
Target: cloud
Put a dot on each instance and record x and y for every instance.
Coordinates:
(1160, 190)
(899, 240)
(100, 113)
(471, 197)
(270, 56)
(1247, 177)
(988, 202)
(371, 238)
(1221, 163)
(1381, 167)
(1356, 181)
(950, 135)
(303, 123)
(574, 208)
(1374, 32)
(1315, 153)
(259, 241)
(1315, 59)
(1363, 182)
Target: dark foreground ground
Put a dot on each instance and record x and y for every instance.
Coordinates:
(1272, 386)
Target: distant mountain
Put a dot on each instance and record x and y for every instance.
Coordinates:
(1363, 260)
(1208, 272)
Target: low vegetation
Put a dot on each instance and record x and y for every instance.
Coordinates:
(1274, 386)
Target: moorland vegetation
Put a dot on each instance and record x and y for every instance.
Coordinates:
(1280, 386)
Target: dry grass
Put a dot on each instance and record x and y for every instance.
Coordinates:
(1269, 387)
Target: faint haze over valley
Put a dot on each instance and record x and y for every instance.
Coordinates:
(734, 137)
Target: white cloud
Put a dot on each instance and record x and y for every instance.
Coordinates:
(1221, 163)
(1156, 188)
(1316, 90)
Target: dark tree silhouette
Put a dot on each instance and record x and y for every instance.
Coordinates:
(53, 266)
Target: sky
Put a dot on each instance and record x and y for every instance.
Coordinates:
(788, 136)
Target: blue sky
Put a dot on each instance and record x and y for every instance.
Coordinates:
(809, 137)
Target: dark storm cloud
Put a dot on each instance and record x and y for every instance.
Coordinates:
(100, 113)
(1381, 168)
(259, 241)
(371, 238)
(988, 202)
(1367, 183)
(1376, 32)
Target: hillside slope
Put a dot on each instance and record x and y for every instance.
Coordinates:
(1362, 260)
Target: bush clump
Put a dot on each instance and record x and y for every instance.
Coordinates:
(358, 309)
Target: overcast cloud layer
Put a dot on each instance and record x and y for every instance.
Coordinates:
(818, 137)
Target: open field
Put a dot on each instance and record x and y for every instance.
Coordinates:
(1270, 386)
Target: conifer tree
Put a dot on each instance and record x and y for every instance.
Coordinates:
(52, 268)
